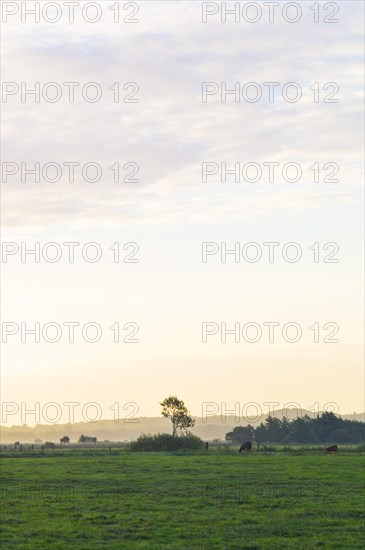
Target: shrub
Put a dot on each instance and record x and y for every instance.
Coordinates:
(166, 442)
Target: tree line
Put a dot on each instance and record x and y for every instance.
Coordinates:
(323, 429)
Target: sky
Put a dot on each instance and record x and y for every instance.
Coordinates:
(170, 293)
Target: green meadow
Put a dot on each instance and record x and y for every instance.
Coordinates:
(90, 499)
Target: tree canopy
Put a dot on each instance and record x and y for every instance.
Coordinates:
(324, 428)
(175, 409)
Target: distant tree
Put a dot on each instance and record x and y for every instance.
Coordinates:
(340, 436)
(175, 409)
(240, 434)
(325, 428)
(87, 439)
(326, 424)
(303, 430)
(286, 432)
(64, 439)
(357, 430)
(260, 434)
(273, 429)
(49, 445)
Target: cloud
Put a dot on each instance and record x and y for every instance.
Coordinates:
(170, 132)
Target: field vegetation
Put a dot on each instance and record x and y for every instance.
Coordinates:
(101, 498)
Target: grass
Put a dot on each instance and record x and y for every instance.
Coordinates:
(90, 499)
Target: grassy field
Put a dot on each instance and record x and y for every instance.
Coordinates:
(74, 499)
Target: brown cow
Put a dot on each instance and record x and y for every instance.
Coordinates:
(331, 449)
(246, 446)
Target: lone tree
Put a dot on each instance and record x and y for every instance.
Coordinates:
(175, 409)
(64, 439)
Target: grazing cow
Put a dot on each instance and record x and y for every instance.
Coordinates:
(246, 446)
(331, 449)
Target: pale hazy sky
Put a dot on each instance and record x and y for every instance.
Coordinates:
(170, 212)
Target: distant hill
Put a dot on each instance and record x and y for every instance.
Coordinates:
(215, 427)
